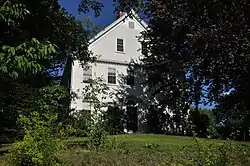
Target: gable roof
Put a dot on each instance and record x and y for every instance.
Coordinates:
(116, 23)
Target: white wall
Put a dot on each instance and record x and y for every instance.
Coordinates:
(105, 47)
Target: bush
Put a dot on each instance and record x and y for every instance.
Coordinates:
(114, 120)
(40, 146)
(97, 137)
(156, 119)
(82, 123)
(209, 154)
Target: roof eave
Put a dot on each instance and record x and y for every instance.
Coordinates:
(108, 28)
(115, 23)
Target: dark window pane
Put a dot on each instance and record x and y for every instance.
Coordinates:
(144, 48)
(119, 48)
(130, 77)
(120, 45)
(111, 79)
(130, 80)
(120, 41)
(111, 75)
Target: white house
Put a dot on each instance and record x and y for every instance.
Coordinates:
(115, 47)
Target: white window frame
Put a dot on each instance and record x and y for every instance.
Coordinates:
(87, 76)
(123, 44)
(115, 74)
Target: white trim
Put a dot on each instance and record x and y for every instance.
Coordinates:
(115, 75)
(108, 28)
(71, 84)
(141, 21)
(72, 76)
(115, 24)
(123, 45)
(108, 61)
(117, 52)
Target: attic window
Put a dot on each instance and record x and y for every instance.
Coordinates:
(131, 25)
(120, 45)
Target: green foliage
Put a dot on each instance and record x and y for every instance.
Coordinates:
(45, 21)
(82, 122)
(40, 145)
(113, 120)
(24, 58)
(86, 5)
(152, 149)
(157, 120)
(120, 6)
(209, 154)
(194, 34)
(127, 5)
(95, 94)
(233, 116)
(199, 49)
(30, 33)
(200, 122)
(10, 13)
(91, 28)
(203, 123)
(49, 99)
(97, 137)
(42, 132)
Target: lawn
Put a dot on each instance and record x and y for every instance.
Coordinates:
(142, 150)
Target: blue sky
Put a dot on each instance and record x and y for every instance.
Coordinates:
(107, 15)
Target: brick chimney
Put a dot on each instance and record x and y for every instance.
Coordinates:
(121, 14)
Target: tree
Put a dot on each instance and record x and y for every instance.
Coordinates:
(17, 59)
(120, 5)
(37, 39)
(232, 116)
(198, 49)
(113, 120)
(41, 145)
(202, 122)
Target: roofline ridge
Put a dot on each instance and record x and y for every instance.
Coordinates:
(115, 23)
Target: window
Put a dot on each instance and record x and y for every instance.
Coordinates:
(111, 75)
(120, 45)
(131, 25)
(144, 48)
(130, 77)
(87, 73)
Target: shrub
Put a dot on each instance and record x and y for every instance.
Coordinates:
(82, 123)
(97, 137)
(40, 145)
(114, 120)
(209, 154)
